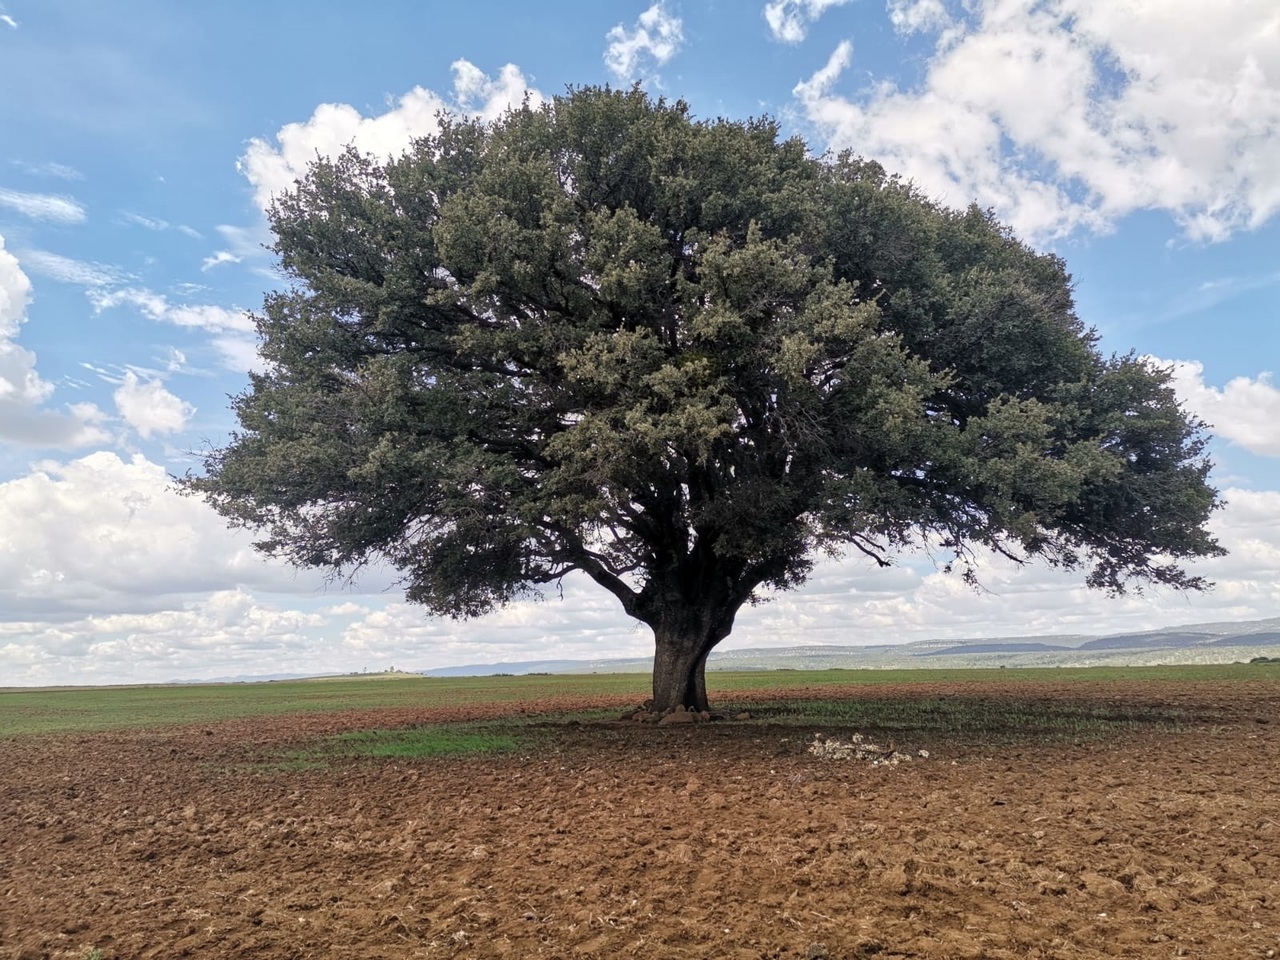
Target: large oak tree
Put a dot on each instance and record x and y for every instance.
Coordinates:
(684, 358)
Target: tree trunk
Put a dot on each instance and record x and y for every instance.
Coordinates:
(685, 631)
(700, 681)
(679, 668)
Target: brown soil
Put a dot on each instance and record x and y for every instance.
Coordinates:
(683, 841)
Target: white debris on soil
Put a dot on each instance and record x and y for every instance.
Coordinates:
(859, 747)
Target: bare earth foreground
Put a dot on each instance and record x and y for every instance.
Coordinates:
(619, 840)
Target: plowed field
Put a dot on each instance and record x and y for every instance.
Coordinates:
(632, 840)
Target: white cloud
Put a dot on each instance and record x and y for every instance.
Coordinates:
(1076, 113)
(789, 20)
(20, 386)
(15, 294)
(67, 270)
(234, 335)
(851, 602)
(217, 260)
(477, 95)
(250, 244)
(175, 361)
(150, 223)
(107, 575)
(24, 418)
(239, 353)
(656, 37)
(102, 535)
(156, 306)
(273, 166)
(1211, 294)
(43, 206)
(587, 623)
(915, 16)
(149, 408)
(226, 633)
(1245, 411)
(50, 169)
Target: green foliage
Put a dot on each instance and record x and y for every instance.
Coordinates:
(684, 358)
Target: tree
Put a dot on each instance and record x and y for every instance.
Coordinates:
(683, 358)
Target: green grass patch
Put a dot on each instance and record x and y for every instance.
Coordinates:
(434, 741)
(959, 716)
(726, 680)
(410, 743)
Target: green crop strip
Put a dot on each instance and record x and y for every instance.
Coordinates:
(87, 709)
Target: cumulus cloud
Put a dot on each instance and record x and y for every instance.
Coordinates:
(104, 535)
(1245, 411)
(273, 165)
(914, 16)
(1074, 114)
(226, 633)
(478, 95)
(656, 37)
(586, 624)
(106, 575)
(149, 408)
(789, 20)
(151, 620)
(24, 416)
(851, 602)
(15, 294)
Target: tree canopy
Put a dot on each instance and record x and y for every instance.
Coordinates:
(685, 358)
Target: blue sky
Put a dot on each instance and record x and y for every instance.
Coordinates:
(140, 140)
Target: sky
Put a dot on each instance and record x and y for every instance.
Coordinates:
(140, 142)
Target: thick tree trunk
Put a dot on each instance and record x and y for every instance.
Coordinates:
(700, 682)
(680, 663)
(688, 621)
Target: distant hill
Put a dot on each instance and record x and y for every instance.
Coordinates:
(1189, 643)
(995, 646)
(1266, 638)
(1148, 641)
(538, 666)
